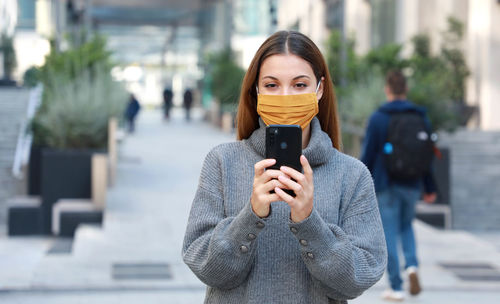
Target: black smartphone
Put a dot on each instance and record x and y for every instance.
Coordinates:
(284, 143)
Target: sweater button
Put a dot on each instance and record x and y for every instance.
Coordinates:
(243, 249)
(303, 242)
(251, 236)
(260, 225)
(294, 230)
(310, 255)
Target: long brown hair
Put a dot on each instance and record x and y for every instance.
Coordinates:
(288, 42)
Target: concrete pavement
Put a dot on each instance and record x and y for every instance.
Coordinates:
(135, 256)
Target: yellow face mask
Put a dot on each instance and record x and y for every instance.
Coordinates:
(288, 109)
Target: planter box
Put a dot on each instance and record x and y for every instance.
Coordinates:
(24, 216)
(71, 220)
(35, 170)
(65, 174)
(442, 177)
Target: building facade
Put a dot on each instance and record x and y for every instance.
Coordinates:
(372, 23)
(252, 22)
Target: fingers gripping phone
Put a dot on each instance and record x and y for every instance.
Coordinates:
(284, 143)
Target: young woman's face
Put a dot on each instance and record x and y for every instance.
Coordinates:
(287, 74)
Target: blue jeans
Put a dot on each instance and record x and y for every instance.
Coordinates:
(397, 210)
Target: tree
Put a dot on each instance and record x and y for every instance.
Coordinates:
(9, 55)
(226, 78)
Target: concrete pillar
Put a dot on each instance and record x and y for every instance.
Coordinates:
(484, 62)
(357, 21)
(407, 22)
(112, 149)
(99, 179)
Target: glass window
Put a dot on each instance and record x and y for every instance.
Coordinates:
(383, 22)
(26, 14)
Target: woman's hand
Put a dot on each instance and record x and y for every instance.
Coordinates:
(264, 182)
(302, 204)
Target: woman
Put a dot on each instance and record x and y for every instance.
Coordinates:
(252, 245)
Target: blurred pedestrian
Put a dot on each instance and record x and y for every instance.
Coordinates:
(398, 150)
(252, 245)
(188, 102)
(167, 102)
(131, 112)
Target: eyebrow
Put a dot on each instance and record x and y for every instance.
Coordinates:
(295, 78)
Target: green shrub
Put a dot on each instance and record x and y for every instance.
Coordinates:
(79, 98)
(31, 77)
(436, 82)
(78, 113)
(74, 61)
(357, 103)
(385, 58)
(226, 77)
(9, 55)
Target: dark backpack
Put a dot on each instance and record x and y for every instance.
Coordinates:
(409, 148)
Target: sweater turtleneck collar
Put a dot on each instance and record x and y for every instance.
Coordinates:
(318, 151)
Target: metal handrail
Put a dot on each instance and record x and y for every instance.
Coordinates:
(25, 138)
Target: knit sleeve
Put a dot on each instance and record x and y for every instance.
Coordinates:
(350, 257)
(220, 250)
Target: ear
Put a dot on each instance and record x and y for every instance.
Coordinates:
(320, 90)
(387, 90)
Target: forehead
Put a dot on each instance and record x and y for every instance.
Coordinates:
(285, 66)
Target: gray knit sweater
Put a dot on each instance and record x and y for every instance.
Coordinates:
(334, 255)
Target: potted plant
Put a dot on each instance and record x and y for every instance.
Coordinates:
(79, 98)
(226, 79)
(9, 59)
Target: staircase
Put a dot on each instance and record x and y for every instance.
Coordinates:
(13, 103)
(475, 179)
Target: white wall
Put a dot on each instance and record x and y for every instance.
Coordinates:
(308, 14)
(491, 118)
(31, 50)
(483, 58)
(481, 19)
(358, 24)
(246, 47)
(8, 16)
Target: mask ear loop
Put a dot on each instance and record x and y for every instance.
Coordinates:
(257, 89)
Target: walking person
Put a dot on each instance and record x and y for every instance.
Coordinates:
(249, 244)
(398, 151)
(133, 108)
(188, 102)
(167, 102)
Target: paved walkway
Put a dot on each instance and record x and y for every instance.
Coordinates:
(144, 225)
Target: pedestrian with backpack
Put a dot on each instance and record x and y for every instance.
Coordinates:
(398, 150)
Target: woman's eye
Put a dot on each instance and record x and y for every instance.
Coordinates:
(270, 85)
(301, 85)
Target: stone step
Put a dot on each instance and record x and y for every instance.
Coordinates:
(9, 122)
(7, 159)
(120, 241)
(7, 153)
(20, 108)
(13, 101)
(4, 164)
(475, 138)
(9, 150)
(8, 131)
(8, 141)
